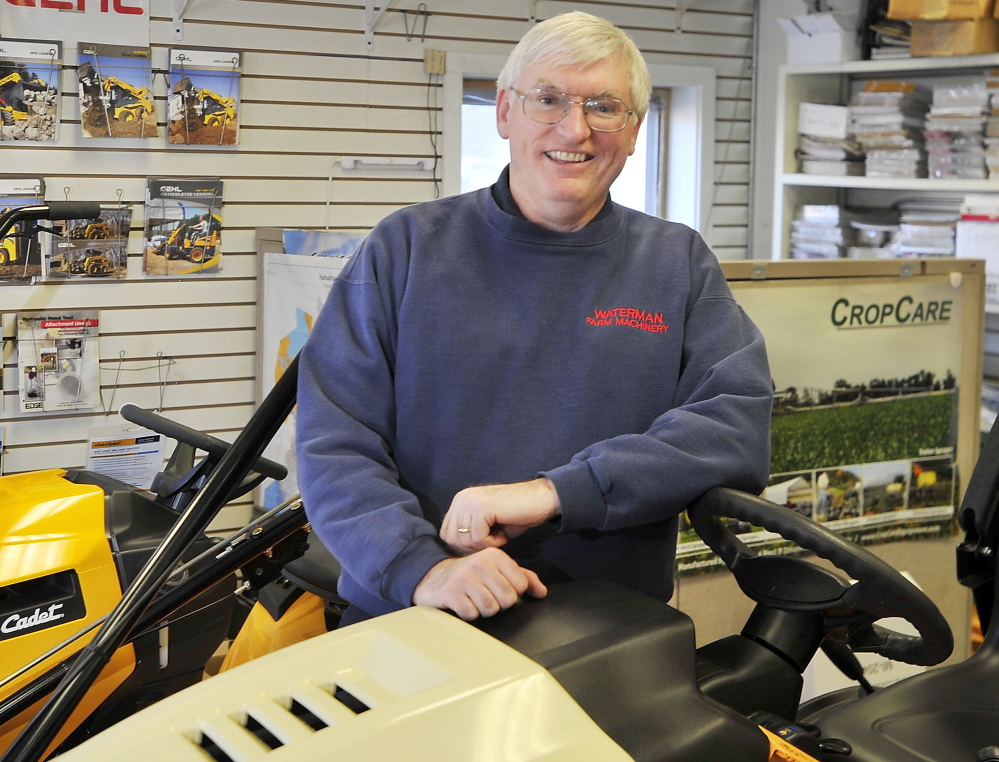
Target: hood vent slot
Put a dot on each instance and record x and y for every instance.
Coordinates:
(275, 723)
(261, 731)
(306, 715)
(213, 749)
(349, 700)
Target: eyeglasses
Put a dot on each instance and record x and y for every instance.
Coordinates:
(602, 113)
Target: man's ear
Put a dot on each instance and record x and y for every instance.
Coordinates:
(634, 137)
(503, 106)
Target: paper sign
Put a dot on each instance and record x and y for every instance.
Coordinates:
(130, 454)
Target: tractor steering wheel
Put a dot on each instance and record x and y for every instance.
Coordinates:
(792, 584)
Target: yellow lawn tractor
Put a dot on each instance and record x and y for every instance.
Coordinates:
(74, 545)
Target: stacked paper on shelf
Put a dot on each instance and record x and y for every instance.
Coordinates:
(820, 231)
(823, 146)
(892, 39)
(955, 127)
(927, 228)
(925, 239)
(896, 162)
(886, 120)
(829, 156)
(992, 124)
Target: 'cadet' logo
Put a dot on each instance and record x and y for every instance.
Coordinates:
(16, 622)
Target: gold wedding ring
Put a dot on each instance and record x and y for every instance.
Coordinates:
(464, 530)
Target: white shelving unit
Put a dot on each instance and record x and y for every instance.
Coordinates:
(834, 84)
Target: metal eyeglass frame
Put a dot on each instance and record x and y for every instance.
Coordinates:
(568, 104)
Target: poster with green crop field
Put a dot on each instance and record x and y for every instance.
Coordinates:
(864, 427)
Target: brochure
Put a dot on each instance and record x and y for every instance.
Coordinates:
(29, 90)
(204, 96)
(92, 248)
(116, 92)
(183, 230)
(20, 257)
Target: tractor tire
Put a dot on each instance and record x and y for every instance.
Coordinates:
(197, 255)
(3, 257)
(95, 269)
(128, 116)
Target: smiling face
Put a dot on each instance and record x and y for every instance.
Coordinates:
(560, 173)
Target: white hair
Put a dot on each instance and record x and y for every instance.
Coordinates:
(579, 39)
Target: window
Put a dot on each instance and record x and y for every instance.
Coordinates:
(484, 153)
(670, 174)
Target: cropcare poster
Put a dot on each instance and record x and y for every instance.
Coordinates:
(58, 361)
(204, 96)
(29, 90)
(183, 230)
(864, 425)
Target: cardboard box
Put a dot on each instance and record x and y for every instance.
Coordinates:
(955, 38)
(940, 9)
(818, 38)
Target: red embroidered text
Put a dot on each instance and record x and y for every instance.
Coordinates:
(631, 317)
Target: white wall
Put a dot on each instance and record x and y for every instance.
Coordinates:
(311, 93)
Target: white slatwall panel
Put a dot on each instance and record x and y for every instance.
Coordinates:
(311, 93)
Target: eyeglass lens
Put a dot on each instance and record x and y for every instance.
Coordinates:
(601, 113)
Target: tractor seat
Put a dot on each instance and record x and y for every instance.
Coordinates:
(316, 570)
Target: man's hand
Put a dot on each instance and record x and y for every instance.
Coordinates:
(487, 517)
(480, 584)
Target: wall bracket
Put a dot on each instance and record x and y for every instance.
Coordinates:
(180, 9)
(682, 6)
(371, 19)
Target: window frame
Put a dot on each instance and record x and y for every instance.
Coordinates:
(691, 122)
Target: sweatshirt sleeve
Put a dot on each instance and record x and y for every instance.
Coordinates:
(345, 423)
(716, 434)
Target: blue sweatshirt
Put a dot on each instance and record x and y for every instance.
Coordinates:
(463, 346)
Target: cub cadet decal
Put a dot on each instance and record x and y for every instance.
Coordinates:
(38, 604)
(15, 622)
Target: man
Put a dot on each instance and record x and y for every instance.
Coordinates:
(528, 383)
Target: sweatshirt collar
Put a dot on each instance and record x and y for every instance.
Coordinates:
(503, 214)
